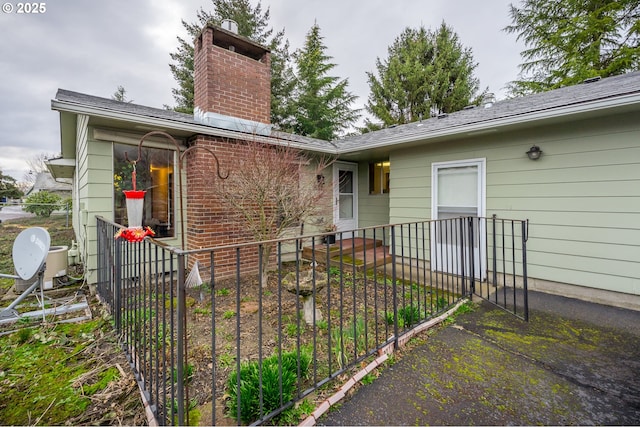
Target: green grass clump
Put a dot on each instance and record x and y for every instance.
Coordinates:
(410, 314)
(349, 340)
(251, 387)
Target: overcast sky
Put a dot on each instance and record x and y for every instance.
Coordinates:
(94, 46)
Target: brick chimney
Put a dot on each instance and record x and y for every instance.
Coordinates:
(232, 81)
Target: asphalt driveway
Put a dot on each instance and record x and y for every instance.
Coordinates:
(573, 363)
(12, 212)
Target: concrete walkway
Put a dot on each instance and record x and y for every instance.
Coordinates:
(574, 363)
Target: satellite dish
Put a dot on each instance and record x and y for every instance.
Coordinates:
(30, 250)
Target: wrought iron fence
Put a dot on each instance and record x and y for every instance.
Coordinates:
(248, 346)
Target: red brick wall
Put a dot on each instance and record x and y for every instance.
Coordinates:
(237, 85)
(230, 83)
(209, 221)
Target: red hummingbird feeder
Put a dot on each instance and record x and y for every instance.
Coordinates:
(135, 205)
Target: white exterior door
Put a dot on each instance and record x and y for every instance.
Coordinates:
(345, 197)
(458, 190)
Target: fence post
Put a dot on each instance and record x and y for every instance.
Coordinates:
(525, 237)
(396, 343)
(472, 257)
(494, 250)
(180, 319)
(462, 269)
(117, 283)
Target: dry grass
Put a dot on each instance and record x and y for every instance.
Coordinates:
(56, 225)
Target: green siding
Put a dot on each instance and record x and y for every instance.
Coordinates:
(582, 197)
(80, 177)
(372, 209)
(98, 195)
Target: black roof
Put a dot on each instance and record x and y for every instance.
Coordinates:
(170, 115)
(597, 90)
(601, 89)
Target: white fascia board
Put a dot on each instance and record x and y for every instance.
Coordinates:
(609, 103)
(70, 107)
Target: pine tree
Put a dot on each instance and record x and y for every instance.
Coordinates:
(569, 41)
(121, 95)
(253, 23)
(425, 73)
(322, 104)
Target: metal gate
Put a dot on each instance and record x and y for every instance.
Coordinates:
(505, 256)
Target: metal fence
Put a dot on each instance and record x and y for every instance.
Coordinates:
(248, 347)
(18, 209)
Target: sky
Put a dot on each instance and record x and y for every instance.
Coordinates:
(93, 47)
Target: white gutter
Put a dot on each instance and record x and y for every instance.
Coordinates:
(491, 125)
(72, 107)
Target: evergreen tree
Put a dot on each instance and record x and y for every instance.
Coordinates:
(253, 23)
(121, 95)
(322, 104)
(569, 41)
(8, 187)
(426, 73)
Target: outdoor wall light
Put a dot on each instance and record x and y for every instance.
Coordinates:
(534, 153)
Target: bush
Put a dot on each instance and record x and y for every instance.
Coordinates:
(42, 203)
(66, 204)
(250, 385)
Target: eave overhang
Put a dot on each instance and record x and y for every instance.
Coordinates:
(182, 128)
(61, 168)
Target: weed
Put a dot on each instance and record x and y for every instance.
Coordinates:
(296, 414)
(389, 318)
(24, 335)
(189, 371)
(349, 340)
(199, 310)
(368, 379)
(222, 292)
(467, 307)
(139, 315)
(24, 321)
(410, 314)
(226, 360)
(441, 303)
(291, 329)
(205, 287)
(337, 347)
(229, 314)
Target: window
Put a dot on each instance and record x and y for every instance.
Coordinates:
(154, 173)
(379, 178)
